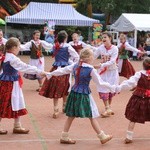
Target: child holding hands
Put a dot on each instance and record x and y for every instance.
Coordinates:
(138, 107)
(12, 103)
(80, 102)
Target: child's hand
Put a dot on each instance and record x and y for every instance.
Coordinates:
(48, 75)
(118, 89)
(43, 74)
(97, 66)
(113, 88)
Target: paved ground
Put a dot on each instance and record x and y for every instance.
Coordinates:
(45, 131)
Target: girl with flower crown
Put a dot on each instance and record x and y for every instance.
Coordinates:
(138, 107)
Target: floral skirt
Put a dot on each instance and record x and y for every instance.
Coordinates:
(127, 69)
(138, 109)
(5, 101)
(56, 86)
(78, 105)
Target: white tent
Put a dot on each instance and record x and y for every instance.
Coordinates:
(61, 14)
(132, 22)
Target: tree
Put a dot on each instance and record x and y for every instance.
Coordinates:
(114, 8)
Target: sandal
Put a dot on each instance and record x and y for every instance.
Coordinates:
(56, 113)
(109, 137)
(2, 132)
(69, 141)
(105, 114)
(110, 112)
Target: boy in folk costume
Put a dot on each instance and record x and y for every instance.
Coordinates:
(36, 57)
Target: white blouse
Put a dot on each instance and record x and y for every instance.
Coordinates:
(83, 45)
(95, 76)
(27, 46)
(129, 47)
(131, 82)
(113, 53)
(17, 64)
(3, 41)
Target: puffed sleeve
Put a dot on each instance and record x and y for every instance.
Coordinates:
(131, 82)
(99, 82)
(46, 45)
(73, 54)
(16, 63)
(97, 52)
(88, 45)
(25, 47)
(131, 48)
(61, 71)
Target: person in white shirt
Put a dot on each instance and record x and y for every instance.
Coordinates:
(138, 107)
(12, 104)
(108, 70)
(36, 58)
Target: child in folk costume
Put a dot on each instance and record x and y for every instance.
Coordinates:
(138, 107)
(57, 87)
(12, 103)
(36, 57)
(77, 44)
(80, 102)
(108, 70)
(124, 65)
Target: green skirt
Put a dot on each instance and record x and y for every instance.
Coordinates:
(78, 105)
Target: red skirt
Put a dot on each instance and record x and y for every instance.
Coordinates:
(56, 86)
(5, 101)
(127, 69)
(138, 109)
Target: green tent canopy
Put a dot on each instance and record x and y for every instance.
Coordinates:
(2, 22)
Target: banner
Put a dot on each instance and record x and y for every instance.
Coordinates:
(97, 30)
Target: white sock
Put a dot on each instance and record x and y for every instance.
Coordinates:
(65, 136)
(129, 135)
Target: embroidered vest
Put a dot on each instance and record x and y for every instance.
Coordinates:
(78, 48)
(82, 82)
(143, 87)
(9, 73)
(36, 51)
(62, 57)
(123, 53)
